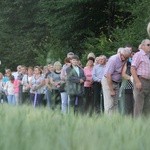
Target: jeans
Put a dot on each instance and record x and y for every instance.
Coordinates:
(48, 97)
(64, 101)
(11, 99)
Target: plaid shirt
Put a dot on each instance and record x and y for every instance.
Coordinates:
(114, 67)
(141, 62)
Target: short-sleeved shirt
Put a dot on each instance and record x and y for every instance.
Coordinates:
(114, 67)
(98, 72)
(141, 62)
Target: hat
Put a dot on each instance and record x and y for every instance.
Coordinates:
(91, 58)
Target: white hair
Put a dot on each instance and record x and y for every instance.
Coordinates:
(148, 28)
(125, 51)
(143, 42)
(120, 49)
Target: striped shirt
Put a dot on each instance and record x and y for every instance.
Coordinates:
(98, 72)
(141, 62)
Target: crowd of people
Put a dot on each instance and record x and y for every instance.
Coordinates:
(120, 83)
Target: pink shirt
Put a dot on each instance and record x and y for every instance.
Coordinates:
(16, 86)
(88, 75)
(141, 62)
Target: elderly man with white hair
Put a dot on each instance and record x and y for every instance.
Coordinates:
(112, 78)
(140, 69)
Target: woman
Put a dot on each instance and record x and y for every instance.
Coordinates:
(88, 85)
(126, 89)
(64, 95)
(26, 87)
(36, 87)
(55, 82)
(10, 90)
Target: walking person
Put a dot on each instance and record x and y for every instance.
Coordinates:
(140, 69)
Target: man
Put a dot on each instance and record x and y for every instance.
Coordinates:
(140, 69)
(75, 84)
(97, 74)
(112, 78)
(18, 72)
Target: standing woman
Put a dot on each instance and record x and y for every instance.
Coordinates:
(126, 89)
(36, 87)
(26, 87)
(55, 81)
(89, 103)
(10, 91)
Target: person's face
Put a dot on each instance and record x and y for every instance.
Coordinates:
(146, 46)
(30, 71)
(102, 60)
(74, 62)
(57, 67)
(37, 71)
(124, 57)
(50, 68)
(23, 70)
(96, 60)
(90, 63)
(19, 69)
(8, 73)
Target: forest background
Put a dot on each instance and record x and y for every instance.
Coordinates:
(37, 32)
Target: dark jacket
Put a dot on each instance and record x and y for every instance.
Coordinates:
(73, 85)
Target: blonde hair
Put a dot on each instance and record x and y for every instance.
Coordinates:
(91, 54)
(57, 63)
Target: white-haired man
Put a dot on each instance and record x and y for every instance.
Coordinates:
(112, 78)
(140, 69)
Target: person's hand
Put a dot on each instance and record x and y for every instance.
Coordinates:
(81, 80)
(131, 79)
(138, 85)
(112, 93)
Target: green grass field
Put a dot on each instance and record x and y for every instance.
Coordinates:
(26, 128)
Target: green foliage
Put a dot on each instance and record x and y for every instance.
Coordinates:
(37, 31)
(24, 128)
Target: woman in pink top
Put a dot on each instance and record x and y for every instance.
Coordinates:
(88, 85)
(16, 84)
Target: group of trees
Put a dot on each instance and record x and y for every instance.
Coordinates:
(34, 32)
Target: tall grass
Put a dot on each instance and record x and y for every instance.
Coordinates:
(26, 128)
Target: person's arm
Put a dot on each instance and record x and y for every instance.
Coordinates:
(94, 76)
(138, 83)
(110, 84)
(124, 74)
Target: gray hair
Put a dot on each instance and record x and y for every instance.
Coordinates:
(125, 51)
(119, 49)
(103, 56)
(145, 40)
